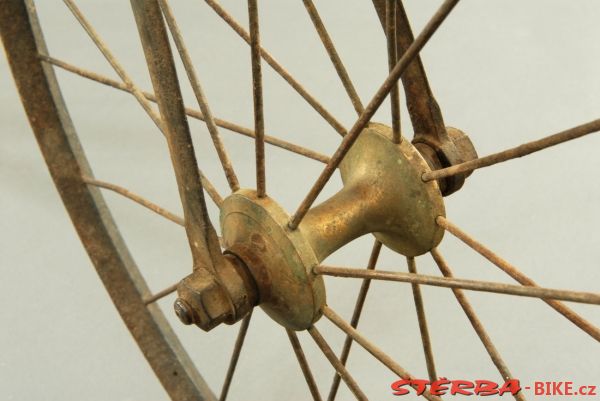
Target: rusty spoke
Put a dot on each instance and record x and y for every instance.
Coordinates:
(161, 294)
(200, 95)
(420, 307)
(197, 114)
(337, 365)
(202, 237)
(257, 96)
(308, 376)
(518, 151)
(278, 68)
(334, 56)
(390, 29)
(476, 323)
(358, 307)
(235, 356)
(116, 65)
(423, 109)
(473, 285)
(519, 276)
(136, 198)
(371, 348)
(371, 108)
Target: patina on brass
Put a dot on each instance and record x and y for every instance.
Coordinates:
(383, 194)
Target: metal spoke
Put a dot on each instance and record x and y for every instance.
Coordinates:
(190, 112)
(390, 29)
(473, 285)
(358, 307)
(202, 237)
(308, 376)
(235, 356)
(372, 348)
(519, 151)
(136, 198)
(371, 108)
(108, 55)
(278, 68)
(127, 85)
(200, 96)
(334, 56)
(517, 275)
(337, 365)
(257, 96)
(425, 339)
(161, 294)
(476, 323)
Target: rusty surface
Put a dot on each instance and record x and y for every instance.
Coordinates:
(279, 260)
(520, 277)
(392, 189)
(202, 236)
(430, 133)
(56, 136)
(407, 57)
(547, 294)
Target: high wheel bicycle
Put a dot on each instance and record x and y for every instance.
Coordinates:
(249, 248)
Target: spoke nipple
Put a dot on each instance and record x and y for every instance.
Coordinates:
(183, 311)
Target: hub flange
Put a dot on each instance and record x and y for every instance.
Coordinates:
(383, 194)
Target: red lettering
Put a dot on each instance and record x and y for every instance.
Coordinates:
(485, 388)
(510, 386)
(439, 386)
(461, 387)
(556, 388)
(539, 388)
(568, 388)
(398, 387)
(420, 385)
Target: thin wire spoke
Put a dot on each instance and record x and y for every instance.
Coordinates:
(161, 294)
(200, 95)
(308, 376)
(476, 323)
(358, 307)
(116, 65)
(257, 96)
(136, 198)
(190, 112)
(337, 365)
(519, 151)
(126, 85)
(371, 108)
(420, 307)
(278, 68)
(473, 285)
(211, 190)
(235, 356)
(334, 56)
(390, 29)
(372, 348)
(519, 276)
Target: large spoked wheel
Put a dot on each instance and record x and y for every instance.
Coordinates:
(393, 189)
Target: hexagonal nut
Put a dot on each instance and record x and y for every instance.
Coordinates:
(463, 145)
(208, 302)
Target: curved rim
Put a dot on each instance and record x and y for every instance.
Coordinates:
(43, 102)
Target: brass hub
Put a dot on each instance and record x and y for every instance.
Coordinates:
(383, 194)
(271, 265)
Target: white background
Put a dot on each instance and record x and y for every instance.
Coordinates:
(505, 72)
